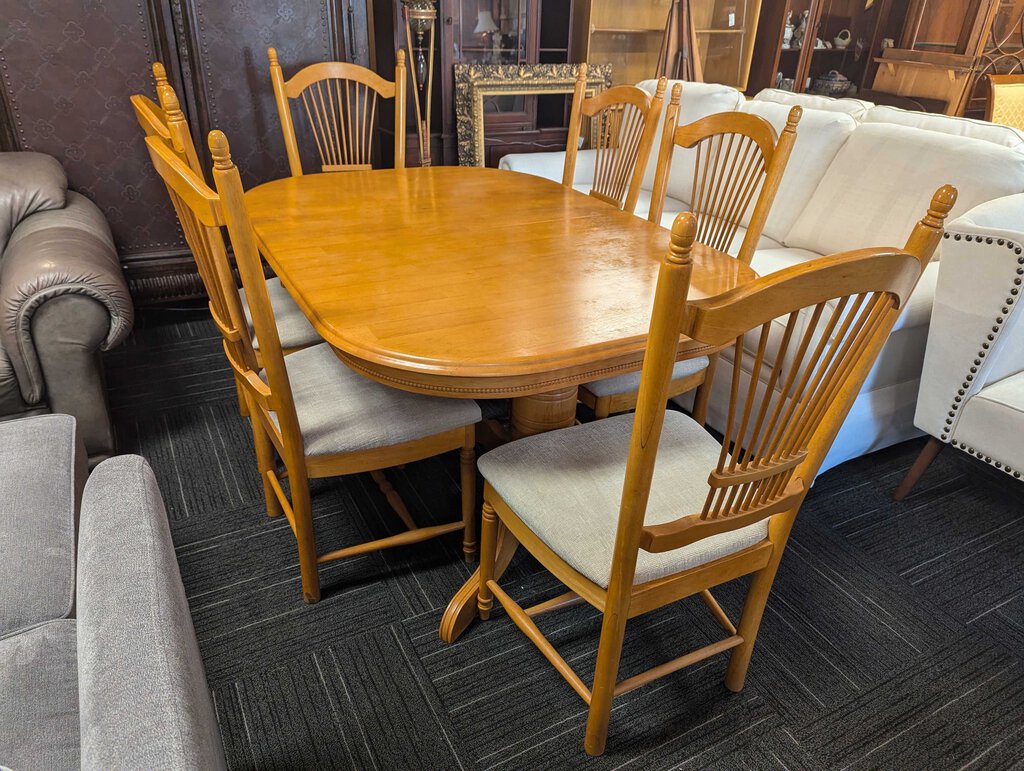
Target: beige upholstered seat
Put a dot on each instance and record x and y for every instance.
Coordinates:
(630, 382)
(340, 411)
(292, 325)
(566, 487)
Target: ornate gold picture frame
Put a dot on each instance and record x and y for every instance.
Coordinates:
(475, 81)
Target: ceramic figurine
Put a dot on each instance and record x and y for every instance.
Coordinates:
(787, 34)
(800, 32)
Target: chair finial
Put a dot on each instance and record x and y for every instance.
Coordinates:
(220, 150)
(159, 74)
(400, 57)
(582, 74)
(272, 55)
(684, 233)
(677, 93)
(794, 118)
(169, 102)
(659, 92)
(943, 200)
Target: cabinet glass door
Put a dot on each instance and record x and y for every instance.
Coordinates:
(725, 38)
(494, 32)
(628, 34)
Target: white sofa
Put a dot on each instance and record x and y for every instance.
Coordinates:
(972, 389)
(860, 175)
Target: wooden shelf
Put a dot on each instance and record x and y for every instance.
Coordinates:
(625, 31)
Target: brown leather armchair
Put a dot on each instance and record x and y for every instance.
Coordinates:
(63, 299)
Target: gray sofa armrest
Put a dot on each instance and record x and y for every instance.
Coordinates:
(53, 254)
(144, 701)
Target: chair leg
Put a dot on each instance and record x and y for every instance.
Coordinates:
(302, 512)
(467, 468)
(609, 651)
(703, 395)
(924, 460)
(243, 402)
(750, 622)
(488, 553)
(266, 462)
(602, 407)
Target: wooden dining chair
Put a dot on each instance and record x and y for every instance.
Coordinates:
(166, 119)
(739, 162)
(339, 100)
(621, 128)
(1005, 102)
(628, 536)
(318, 416)
(166, 122)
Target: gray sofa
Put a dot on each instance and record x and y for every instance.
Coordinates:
(63, 299)
(99, 666)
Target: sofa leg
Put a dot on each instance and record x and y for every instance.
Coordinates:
(924, 460)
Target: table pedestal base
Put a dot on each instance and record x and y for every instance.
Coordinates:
(530, 415)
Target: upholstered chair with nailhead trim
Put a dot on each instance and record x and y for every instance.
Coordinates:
(972, 386)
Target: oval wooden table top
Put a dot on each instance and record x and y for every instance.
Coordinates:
(470, 282)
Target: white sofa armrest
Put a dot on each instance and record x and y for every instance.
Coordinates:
(550, 165)
(976, 331)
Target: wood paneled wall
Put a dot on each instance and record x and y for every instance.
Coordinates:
(67, 70)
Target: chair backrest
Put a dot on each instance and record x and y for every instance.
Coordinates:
(165, 120)
(838, 310)
(623, 121)
(1005, 103)
(270, 401)
(737, 156)
(340, 101)
(201, 217)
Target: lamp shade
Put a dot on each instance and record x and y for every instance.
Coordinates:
(484, 23)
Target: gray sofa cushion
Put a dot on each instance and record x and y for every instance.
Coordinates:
(39, 698)
(341, 411)
(143, 693)
(40, 485)
(567, 486)
(29, 182)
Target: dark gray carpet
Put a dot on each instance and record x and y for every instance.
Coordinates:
(891, 639)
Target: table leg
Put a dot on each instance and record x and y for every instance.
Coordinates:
(544, 412)
(530, 415)
(461, 611)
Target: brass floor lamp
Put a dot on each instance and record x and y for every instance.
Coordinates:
(420, 19)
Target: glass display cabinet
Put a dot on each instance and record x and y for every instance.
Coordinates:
(726, 30)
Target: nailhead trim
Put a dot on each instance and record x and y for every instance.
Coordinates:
(998, 464)
(969, 378)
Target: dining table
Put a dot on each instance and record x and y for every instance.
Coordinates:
(474, 283)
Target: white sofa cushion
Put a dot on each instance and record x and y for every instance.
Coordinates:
(819, 136)
(947, 124)
(856, 108)
(698, 101)
(882, 180)
(993, 422)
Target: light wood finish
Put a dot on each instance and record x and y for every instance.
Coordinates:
(165, 120)
(276, 430)
(1005, 103)
(340, 102)
(554, 292)
(928, 453)
(773, 443)
(622, 123)
(740, 162)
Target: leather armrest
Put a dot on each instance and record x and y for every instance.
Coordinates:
(52, 254)
(976, 328)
